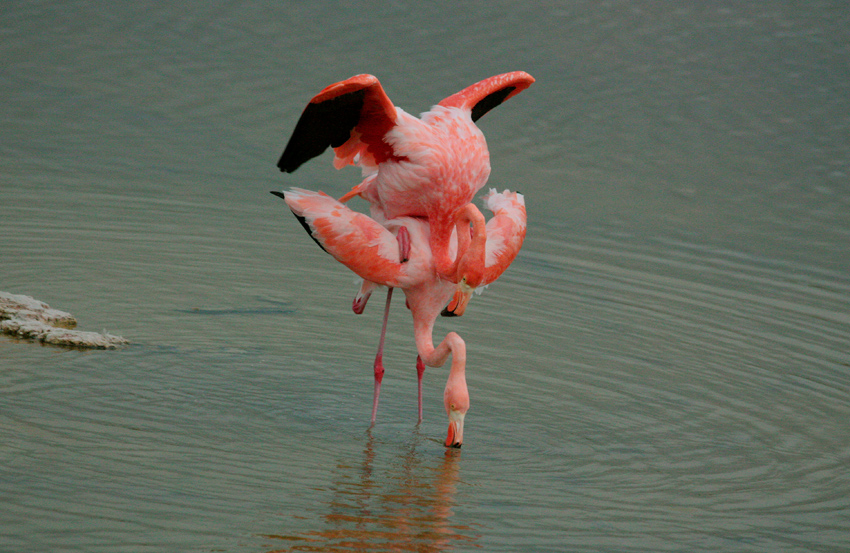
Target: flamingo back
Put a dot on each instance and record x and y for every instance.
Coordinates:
(444, 162)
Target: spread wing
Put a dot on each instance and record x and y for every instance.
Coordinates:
(351, 116)
(355, 240)
(489, 93)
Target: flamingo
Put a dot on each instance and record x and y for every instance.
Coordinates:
(429, 167)
(372, 250)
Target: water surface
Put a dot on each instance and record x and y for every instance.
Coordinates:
(665, 366)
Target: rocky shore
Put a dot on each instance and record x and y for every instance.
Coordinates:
(27, 318)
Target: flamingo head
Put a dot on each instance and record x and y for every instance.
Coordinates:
(472, 237)
(470, 274)
(456, 399)
(462, 295)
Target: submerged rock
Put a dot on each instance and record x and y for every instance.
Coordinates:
(25, 317)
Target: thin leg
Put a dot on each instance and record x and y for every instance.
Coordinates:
(379, 358)
(403, 238)
(420, 370)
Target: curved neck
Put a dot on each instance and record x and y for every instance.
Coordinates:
(471, 245)
(472, 257)
(436, 356)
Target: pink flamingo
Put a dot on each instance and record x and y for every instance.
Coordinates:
(372, 251)
(419, 167)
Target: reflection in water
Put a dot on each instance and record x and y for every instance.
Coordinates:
(408, 507)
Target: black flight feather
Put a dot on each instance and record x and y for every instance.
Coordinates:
(490, 101)
(328, 123)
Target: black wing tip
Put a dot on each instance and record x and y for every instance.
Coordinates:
(290, 161)
(287, 164)
(323, 124)
(490, 101)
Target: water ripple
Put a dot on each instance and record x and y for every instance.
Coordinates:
(703, 384)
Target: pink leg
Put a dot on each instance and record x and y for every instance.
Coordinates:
(379, 358)
(420, 370)
(403, 238)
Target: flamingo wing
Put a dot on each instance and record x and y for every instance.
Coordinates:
(351, 116)
(489, 93)
(505, 232)
(354, 239)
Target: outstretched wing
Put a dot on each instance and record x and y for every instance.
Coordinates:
(351, 116)
(355, 240)
(505, 231)
(489, 93)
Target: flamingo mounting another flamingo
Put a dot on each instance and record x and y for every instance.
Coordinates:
(429, 167)
(372, 250)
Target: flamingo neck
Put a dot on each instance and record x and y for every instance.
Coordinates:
(457, 372)
(471, 246)
(436, 357)
(472, 249)
(456, 394)
(445, 266)
(423, 328)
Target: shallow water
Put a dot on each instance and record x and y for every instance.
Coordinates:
(665, 367)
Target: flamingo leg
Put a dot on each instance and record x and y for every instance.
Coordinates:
(420, 370)
(403, 238)
(379, 358)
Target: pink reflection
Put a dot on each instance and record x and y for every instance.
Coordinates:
(407, 507)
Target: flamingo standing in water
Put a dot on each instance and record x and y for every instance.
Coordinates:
(371, 249)
(429, 167)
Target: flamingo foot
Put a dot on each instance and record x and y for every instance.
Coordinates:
(359, 303)
(403, 238)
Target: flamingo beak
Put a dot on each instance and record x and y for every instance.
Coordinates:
(457, 306)
(455, 435)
